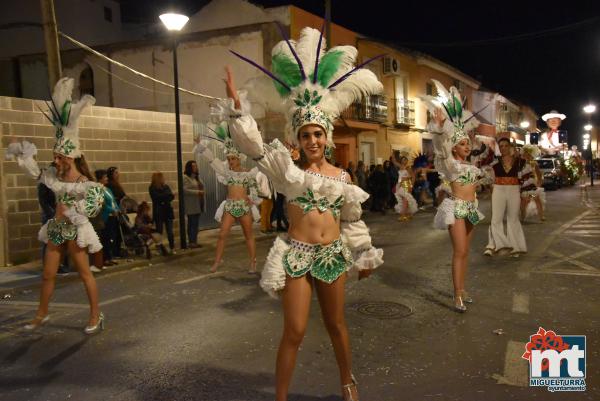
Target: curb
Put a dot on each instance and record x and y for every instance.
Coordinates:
(14, 287)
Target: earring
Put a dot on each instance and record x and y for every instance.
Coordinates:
(328, 152)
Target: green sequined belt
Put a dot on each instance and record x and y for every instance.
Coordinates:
(60, 231)
(324, 262)
(467, 210)
(237, 207)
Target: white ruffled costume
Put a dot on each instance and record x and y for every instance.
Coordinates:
(82, 200)
(402, 194)
(226, 176)
(276, 163)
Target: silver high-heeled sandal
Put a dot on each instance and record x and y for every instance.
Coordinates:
(38, 322)
(347, 388)
(252, 269)
(459, 305)
(466, 297)
(97, 327)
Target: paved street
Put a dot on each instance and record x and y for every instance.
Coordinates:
(175, 332)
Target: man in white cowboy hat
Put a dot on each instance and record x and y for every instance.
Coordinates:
(549, 141)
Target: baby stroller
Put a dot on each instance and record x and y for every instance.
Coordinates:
(133, 243)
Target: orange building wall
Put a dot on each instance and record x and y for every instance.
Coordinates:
(300, 19)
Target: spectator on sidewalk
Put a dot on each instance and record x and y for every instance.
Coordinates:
(193, 197)
(112, 224)
(361, 175)
(109, 209)
(265, 192)
(162, 211)
(145, 228)
(279, 213)
(379, 188)
(391, 171)
(351, 171)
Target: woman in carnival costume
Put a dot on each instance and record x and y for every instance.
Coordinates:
(531, 184)
(326, 237)
(406, 204)
(458, 212)
(78, 197)
(242, 194)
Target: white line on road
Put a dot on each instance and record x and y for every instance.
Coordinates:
(35, 304)
(570, 272)
(520, 303)
(200, 277)
(115, 300)
(572, 259)
(516, 372)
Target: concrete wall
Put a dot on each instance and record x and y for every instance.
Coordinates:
(138, 142)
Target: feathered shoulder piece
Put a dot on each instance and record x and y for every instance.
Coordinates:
(312, 85)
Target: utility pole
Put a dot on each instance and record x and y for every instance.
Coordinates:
(328, 23)
(51, 41)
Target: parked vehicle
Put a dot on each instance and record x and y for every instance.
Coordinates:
(551, 173)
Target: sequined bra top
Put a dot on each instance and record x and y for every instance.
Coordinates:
(245, 182)
(309, 200)
(467, 174)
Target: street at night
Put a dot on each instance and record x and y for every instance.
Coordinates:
(176, 332)
(299, 200)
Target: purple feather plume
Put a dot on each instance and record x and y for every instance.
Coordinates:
(263, 69)
(347, 75)
(474, 114)
(318, 53)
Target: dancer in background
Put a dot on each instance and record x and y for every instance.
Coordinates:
(458, 212)
(406, 204)
(326, 237)
(78, 198)
(242, 194)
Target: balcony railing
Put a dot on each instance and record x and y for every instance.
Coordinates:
(372, 109)
(405, 111)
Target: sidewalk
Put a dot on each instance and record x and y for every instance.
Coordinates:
(27, 276)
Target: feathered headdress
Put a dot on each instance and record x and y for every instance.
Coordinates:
(420, 160)
(221, 132)
(65, 117)
(312, 85)
(459, 121)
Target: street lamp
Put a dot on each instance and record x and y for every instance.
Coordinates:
(175, 22)
(589, 109)
(524, 124)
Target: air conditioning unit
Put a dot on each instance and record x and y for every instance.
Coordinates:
(391, 66)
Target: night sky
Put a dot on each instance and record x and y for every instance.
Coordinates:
(532, 51)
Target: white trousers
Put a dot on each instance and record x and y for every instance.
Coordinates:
(506, 199)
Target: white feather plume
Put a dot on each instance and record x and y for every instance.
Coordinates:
(361, 83)
(62, 92)
(261, 91)
(306, 48)
(349, 54)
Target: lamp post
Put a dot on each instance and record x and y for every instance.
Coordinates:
(589, 110)
(175, 22)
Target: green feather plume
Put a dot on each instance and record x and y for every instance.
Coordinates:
(222, 132)
(457, 107)
(287, 70)
(328, 66)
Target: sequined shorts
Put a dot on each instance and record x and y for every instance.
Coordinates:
(467, 210)
(60, 231)
(324, 262)
(237, 207)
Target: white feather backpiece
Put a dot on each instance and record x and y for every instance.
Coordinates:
(306, 48)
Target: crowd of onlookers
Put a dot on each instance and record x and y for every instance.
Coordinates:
(380, 180)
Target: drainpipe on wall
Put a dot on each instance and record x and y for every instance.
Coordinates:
(51, 41)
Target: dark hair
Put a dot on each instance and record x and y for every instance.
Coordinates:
(143, 206)
(188, 169)
(100, 173)
(83, 168)
(116, 185)
(503, 139)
